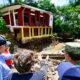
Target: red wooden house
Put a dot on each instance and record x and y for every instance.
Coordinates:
(28, 22)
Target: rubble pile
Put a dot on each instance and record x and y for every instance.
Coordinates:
(54, 58)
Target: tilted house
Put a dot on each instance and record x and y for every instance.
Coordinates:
(28, 22)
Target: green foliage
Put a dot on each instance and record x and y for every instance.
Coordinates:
(3, 27)
(74, 2)
(10, 1)
(18, 2)
(46, 5)
(56, 23)
(34, 4)
(70, 21)
(29, 1)
(2, 22)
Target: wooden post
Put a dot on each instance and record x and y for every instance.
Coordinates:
(9, 18)
(41, 30)
(10, 22)
(48, 31)
(45, 30)
(22, 32)
(32, 31)
(38, 31)
(51, 31)
(29, 32)
(14, 18)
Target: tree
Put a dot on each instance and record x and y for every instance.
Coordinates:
(10, 2)
(3, 27)
(46, 5)
(18, 1)
(74, 2)
(71, 19)
(29, 1)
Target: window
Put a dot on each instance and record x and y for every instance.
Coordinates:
(41, 21)
(37, 20)
(26, 19)
(46, 20)
(16, 18)
(6, 18)
(33, 19)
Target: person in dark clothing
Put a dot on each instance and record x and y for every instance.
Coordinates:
(7, 74)
(70, 69)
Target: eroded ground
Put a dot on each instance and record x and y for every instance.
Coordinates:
(51, 51)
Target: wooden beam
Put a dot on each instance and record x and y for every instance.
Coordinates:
(22, 32)
(9, 19)
(51, 31)
(32, 31)
(36, 36)
(45, 30)
(14, 18)
(10, 22)
(48, 31)
(41, 30)
(29, 31)
(38, 31)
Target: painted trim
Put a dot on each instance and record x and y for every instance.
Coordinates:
(4, 14)
(32, 13)
(14, 19)
(9, 8)
(9, 18)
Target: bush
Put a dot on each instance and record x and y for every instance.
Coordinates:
(3, 27)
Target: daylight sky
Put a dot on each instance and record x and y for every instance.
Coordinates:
(56, 2)
(60, 2)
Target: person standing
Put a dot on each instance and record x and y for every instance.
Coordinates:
(9, 62)
(7, 74)
(70, 69)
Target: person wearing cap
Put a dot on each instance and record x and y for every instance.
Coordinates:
(7, 74)
(71, 67)
(72, 52)
(9, 62)
(5, 71)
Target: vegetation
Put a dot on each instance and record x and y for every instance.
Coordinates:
(46, 5)
(66, 18)
(3, 27)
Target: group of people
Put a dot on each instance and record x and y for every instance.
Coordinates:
(7, 74)
(67, 70)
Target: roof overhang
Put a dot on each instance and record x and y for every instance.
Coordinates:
(13, 7)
